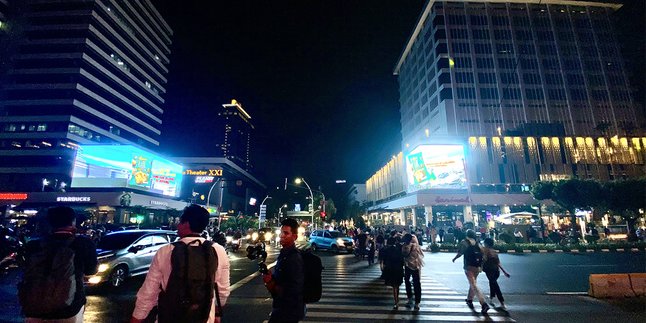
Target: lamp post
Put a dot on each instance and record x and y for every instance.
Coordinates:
(298, 180)
(261, 205)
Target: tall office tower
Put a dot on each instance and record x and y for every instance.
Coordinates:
(235, 126)
(86, 71)
(492, 67)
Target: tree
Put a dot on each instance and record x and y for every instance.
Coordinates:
(543, 190)
(572, 194)
(626, 198)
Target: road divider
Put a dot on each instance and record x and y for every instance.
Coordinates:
(615, 285)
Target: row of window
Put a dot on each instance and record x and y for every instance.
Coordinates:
(25, 127)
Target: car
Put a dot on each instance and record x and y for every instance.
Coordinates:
(330, 240)
(127, 253)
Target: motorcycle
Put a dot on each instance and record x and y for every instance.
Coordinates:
(13, 255)
(233, 244)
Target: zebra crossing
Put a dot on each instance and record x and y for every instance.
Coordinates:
(353, 292)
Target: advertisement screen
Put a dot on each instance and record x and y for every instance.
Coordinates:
(436, 167)
(125, 166)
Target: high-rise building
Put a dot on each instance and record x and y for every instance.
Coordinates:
(85, 72)
(234, 125)
(492, 67)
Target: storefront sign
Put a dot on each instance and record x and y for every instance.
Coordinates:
(73, 199)
(13, 196)
(204, 179)
(452, 200)
(152, 202)
(203, 172)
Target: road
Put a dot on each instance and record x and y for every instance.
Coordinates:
(353, 293)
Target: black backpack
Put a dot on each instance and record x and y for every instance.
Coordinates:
(191, 284)
(49, 282)
(473, 255)
(313, 286)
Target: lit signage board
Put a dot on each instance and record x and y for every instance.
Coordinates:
(13, 196)
(436, 167)
(125, 166)
(203, 172)
(204, 179)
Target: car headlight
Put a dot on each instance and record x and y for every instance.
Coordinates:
(267, 236)
(94, 280)
(254, 236)
(248, 237)
(103, 267)
(229, 238)
(340, 242)
(277, 231)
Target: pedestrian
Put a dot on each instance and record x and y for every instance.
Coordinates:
(441, 235)
(52, 284)
(286, 283)
(491, 267)
(167, 280)
(371, 250)
(433, 235)
(472, 252)
(393, 264)
(413, 262)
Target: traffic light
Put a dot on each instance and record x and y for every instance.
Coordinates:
(322, 215)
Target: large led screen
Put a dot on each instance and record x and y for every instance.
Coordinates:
(436, 167)
(125, 166)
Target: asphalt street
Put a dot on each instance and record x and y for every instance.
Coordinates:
(542, 288)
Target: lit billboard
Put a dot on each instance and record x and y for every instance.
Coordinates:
(125, 166)
(436, 167)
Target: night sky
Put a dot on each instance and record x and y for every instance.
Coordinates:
(316, 77)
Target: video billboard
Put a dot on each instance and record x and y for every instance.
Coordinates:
(436, 167)
(125, 166)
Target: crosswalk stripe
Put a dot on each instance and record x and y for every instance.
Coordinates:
(355, 292)
(407, 317)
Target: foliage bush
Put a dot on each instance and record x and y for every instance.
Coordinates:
(506, 237)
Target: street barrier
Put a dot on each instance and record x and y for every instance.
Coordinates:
(610, 286)
(638, 283)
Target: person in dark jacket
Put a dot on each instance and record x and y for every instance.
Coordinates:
(62, 220)
(286, 282)
(393, 264)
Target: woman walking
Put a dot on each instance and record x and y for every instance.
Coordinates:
(393, 264)
(413, 262)
(472, 252)
(491, 266)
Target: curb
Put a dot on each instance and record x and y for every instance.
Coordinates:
(554, 251)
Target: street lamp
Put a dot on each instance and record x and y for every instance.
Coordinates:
(298, 180)
(261, 204)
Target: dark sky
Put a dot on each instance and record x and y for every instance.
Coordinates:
(316, 77)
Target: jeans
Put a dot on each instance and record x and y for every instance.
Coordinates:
(417, 286)
(472, 277)
(494, 288)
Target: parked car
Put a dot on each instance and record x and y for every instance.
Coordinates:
(330, 240)
(127, 253)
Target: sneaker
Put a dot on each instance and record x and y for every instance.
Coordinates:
(410, 303)
(491, 302)
(416, 308)
(395, 307)
(485, 308)
(469, 303)
(502, 306)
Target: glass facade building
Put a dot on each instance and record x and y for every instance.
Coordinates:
(83, 72)
(475, 68)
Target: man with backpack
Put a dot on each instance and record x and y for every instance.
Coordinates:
(472, 252)
(52, 285)
(286, 283)
(188, 280)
